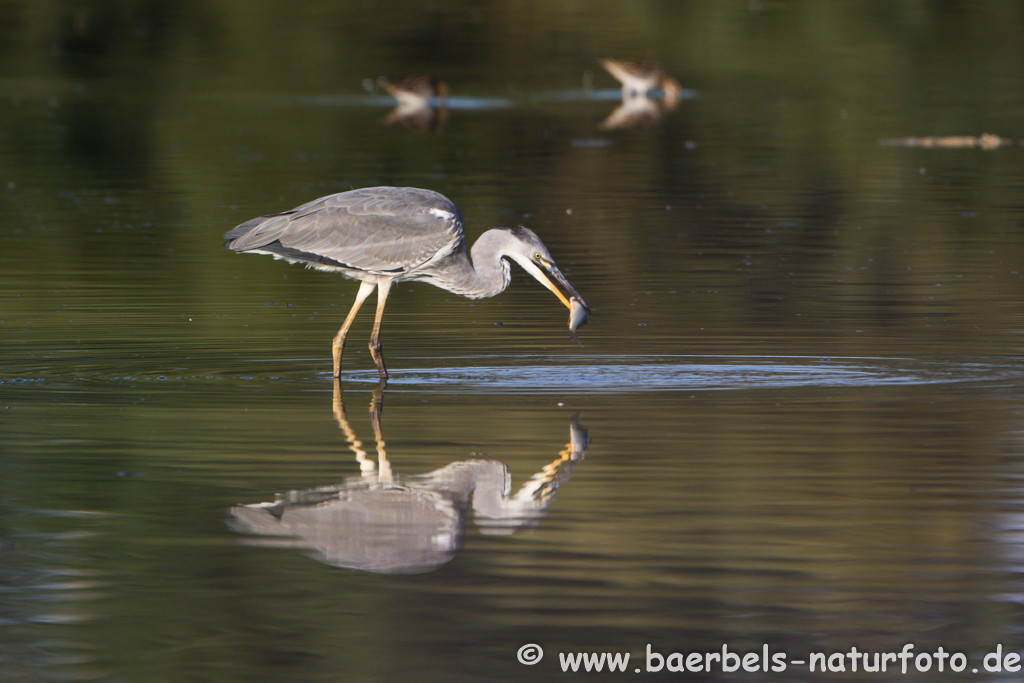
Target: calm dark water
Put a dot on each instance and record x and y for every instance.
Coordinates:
(796, 420)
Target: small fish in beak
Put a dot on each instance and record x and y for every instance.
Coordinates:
(577, 316)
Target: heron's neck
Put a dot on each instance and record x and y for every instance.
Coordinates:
(482, 273)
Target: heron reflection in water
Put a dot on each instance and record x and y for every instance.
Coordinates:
(647, 94)
(384, 235)
(422, 101)
(383, 522)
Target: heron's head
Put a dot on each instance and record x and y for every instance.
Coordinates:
(526, 249)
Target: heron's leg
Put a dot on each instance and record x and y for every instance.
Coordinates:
(339, 339)
(383, 287)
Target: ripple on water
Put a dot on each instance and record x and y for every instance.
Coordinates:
(533, 373)
(613, 374)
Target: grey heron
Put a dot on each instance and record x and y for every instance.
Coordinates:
(383, 235)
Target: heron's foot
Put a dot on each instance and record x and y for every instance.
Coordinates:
(378, 358)
(336, 364)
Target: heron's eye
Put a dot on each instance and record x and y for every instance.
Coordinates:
(538, 257)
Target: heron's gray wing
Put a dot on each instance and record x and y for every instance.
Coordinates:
(381, 230)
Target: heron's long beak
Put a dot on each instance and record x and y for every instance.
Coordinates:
(551, 274)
